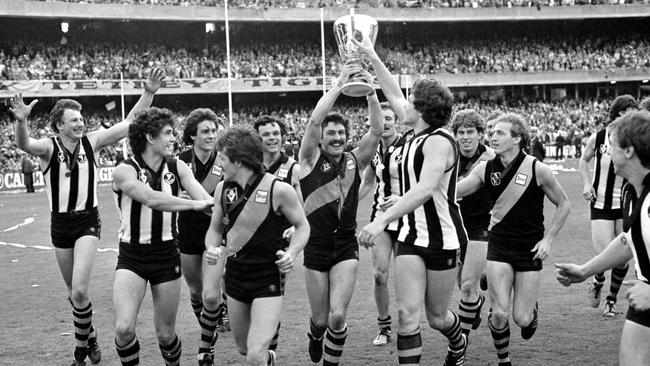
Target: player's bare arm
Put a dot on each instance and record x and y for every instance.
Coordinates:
(125, 180)
(367, 182)
(39, 147)
(213, 248)
(191, 185)
(473, 182)
(109, 136)
(369, 142)
(558, 197)
(588, 154)
(284, 196)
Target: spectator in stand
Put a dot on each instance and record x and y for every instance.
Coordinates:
(537, 148)
(27, 167)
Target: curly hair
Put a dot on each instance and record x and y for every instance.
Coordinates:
(620, 105)
(192, 122)
(56, 115)
(266, 120)
(518, 128)
(241, 144)
(335, 117)
(433, 100)
(633, 129)
(148, 122)
(467, 118)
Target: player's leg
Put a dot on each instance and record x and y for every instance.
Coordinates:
(602, 232)
(264, 320)
(525, 306)
(212, 278)
(318, 285)
(381, 254)
(128, 291)
(166, 296)
(500, 277)
(410, 287)
(617, 277)
(471, 302)
(240, 320)
(191, 266)
(342, 279)
(635, 344)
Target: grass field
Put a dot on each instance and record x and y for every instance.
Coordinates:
(36, 327)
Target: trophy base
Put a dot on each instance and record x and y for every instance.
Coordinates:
(357, 89)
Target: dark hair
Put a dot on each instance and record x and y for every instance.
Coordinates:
(518, 128)
(385, 106)
(56, 115)
(433, 100)
(241, 144)
(335, 117)
(467, 118)
(269, 120)
(620, 105)
(192, 122)
(492, 116)
(633, 129)
(645, 104)
(148, 122)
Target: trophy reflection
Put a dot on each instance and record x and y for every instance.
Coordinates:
(345, 28)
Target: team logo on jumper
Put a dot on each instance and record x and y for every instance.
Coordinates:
(177, 269)
(142, 175)
(261, 196)
(325, 167)
(81, 158)
(272, 288)
(375, 160)
(350, 164)
(495, 178)
(169, 178)
(216, 170)
(61, 157)
(603, 149)
(231, 195)
(521, 179)
(283, 173)
(189, 165)
(398, 158)
(391, 149)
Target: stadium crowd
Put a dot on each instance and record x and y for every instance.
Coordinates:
(85, 57)
(264, 4)
(574, 120)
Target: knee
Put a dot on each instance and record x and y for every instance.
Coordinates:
(211, 298)
(407, 319)
(166, 335)
(381, 277)
(79, 297)
(124, 332)
(499, 318)
(337, 320)
(522, 319)
(468, 288)
(256, 356)
(438, 321)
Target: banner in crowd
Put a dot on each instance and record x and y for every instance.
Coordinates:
(14, 181)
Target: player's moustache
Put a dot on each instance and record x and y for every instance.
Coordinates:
(333, 142)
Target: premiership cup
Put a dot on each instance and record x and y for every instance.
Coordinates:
(345, 28)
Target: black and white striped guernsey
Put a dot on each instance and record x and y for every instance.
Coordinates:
(73, 189)
(637, 227)
(437, 223)
(140, 224)
(605, 182)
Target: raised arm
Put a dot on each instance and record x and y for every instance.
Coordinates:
(367, 182)
(588, 191)
(109, 136)
(473, 182)
(389, 85)
(369, 142)
(41, 148)
(125, 179)
(309, 146)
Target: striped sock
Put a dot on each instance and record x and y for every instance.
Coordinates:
(208, 322)
(129, 353)
(384, 323)
(171, 352)
(467, 314)
(82, 324)
(618, 275)
(316, 331)
(501, 339)
(599, 277)
(334, 342)
(409, 348)
(454, 335)
(274, 342)
(197, 306)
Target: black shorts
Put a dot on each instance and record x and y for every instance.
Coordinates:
(518, 256)
(480, 234)
(322, 256)
(609, 215)
(156, 263)
(189, 242)
(247, 283)
(639, 317)
(393, 235)
(434, 259)
(67, 227)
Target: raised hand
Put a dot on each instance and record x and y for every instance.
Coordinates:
(364, 45)
(154, 80)
(19, 109)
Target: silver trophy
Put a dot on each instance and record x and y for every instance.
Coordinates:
(345, 28)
